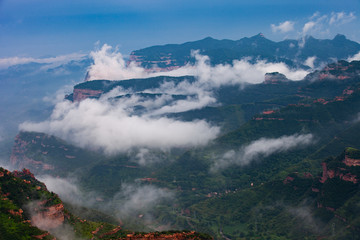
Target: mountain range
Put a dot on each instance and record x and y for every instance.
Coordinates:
(292, 52)
(284, 163)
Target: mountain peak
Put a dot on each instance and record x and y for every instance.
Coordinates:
(208, 39)
(259, 35)
(339, 37)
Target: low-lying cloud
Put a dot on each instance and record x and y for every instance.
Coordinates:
(109, 127)
(139, 119)
(110, 65)
(262, 147)
(306, 219)
(135, 199)
(356, 57)
(129, 202)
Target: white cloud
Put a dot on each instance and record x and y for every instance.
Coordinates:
(310, 61)
(69, 191)
(339, 18)
(356, 57)
(308, 26)
(262, 147)
(53, 61)
(131, 199)
(101, 125)
(59, 95)
(283, 27)
(323, 24)
(110, 65)
(116, 125)
(135, 199)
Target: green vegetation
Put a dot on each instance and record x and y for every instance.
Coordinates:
(284, 195)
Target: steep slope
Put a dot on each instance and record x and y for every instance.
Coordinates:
(297, 207)
(48, 154)
(27, 206)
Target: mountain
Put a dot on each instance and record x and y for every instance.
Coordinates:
(299, 206)
(292, 52)
(30, 211)
(300, 191)
(235, 105)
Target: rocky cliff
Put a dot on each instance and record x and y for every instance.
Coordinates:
(81, 94)
(45, 154)
(275, 78)
(345, 167)
(337, 185)
(30, 211)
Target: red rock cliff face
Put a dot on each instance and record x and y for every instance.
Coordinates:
(351, 162)
(275, 78)
(81, 94)
(341, 173)
(19, 158)
(48, 217)
(156, 236)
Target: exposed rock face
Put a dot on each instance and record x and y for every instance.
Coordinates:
(351, 162)
(19, 157)
(48, 217)
(275, 78)
(339, 71)
(341, 173)
(159, 236)
(41, 218)
(325, 174)
(81, 94)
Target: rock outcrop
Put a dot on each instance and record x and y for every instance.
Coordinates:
(19, 155)
(341, 168)
(81, 94)
(275, 78)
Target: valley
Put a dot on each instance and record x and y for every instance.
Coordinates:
(283, 163)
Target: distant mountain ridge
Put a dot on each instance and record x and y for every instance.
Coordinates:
(292, 52)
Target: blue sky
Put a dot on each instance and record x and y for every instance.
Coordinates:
(39, 28)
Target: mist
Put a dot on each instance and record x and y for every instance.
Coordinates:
(116, 126)
(109, 64)
(128, 203)
(261, 148)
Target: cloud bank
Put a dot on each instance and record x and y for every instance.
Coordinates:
(110, 65)
(116, 125)
(262, 147)
(109, 127)
(137, 199)
(53, 61)
(129, 202)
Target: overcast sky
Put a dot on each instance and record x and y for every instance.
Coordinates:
(39, 28)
